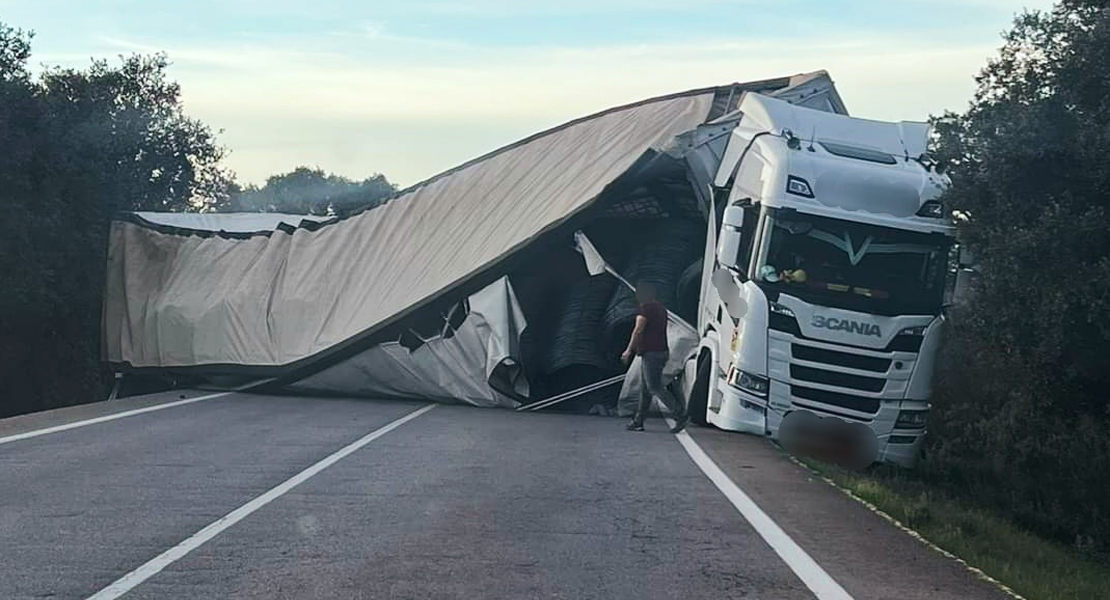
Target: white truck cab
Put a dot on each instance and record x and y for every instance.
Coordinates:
(824, 292)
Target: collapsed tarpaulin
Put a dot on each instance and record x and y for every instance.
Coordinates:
(475, 359)
(416, 297)
(179, 298)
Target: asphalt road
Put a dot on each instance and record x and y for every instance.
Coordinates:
(458, 502)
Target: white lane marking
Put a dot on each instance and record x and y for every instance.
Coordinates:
(816, 579)
(155, 565)
(112, 417)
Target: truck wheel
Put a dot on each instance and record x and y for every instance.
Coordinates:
(699, 394)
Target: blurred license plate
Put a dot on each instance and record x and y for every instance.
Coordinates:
(829, 440)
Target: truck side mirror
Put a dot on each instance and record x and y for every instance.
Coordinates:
(962, 290)
(966, 273)
(730, 239)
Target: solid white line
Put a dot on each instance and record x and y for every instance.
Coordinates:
(816, 579)
(155, 565)
(112, 417)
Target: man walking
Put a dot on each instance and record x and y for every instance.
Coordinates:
(649, 340)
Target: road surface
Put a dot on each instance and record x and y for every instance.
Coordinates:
(272, 497)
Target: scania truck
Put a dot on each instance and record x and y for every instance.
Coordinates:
(825, 276)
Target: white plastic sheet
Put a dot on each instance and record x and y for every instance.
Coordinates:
(453, 368)
(682, 340)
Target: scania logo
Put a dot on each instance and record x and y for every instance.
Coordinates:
(856, 327)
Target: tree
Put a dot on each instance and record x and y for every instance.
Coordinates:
(311, 191)
(80, 145)
(1022, 415)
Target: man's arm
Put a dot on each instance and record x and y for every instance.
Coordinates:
(634, 340)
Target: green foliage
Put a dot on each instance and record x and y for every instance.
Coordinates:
(311, 191)
(1022, 415)
(80, 145)
(15, 49)
(1029, 564)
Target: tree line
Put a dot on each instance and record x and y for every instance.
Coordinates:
(1021, 415)
(307, 190)
(76, 147)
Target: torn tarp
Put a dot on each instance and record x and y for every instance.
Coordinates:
(682, 340)
(331, 301)
(475, 358)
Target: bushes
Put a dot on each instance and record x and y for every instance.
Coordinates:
(1022, 417)
(79, 146)
(1006, 436)
(312, 191)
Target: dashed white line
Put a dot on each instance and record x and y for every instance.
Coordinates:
(812, 575)
(157, 564)
(104, 419)
(1005, 589)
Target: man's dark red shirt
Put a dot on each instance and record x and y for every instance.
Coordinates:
(654, 337)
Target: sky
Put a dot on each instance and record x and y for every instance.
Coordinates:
(410, 88)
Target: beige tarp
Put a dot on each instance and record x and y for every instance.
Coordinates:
(177, 300)
(447, 368)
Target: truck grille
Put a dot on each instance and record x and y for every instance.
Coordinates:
(840, 359)
(848, 401)
(843, 380)
(832, 378)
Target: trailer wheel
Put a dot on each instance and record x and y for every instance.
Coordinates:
(699, 394)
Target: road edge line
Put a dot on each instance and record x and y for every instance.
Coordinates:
(823, 586)
(976, 571)
(105, 418)
(155, 565)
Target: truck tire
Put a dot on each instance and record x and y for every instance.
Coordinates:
(699, 394)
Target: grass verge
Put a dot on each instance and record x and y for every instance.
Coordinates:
(1031, 566)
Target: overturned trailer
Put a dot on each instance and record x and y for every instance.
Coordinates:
(480, 285)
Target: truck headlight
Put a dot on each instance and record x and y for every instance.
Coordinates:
(753, 384)
(911, 419)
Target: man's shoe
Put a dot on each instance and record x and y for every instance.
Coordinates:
(680, 424)
(635, 427)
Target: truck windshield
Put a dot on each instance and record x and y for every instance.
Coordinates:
(854, 266)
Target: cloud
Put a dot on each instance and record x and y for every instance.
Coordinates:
(533, 82)
(512, 8)
(356, 109)
(379, 32)
(523, 8)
